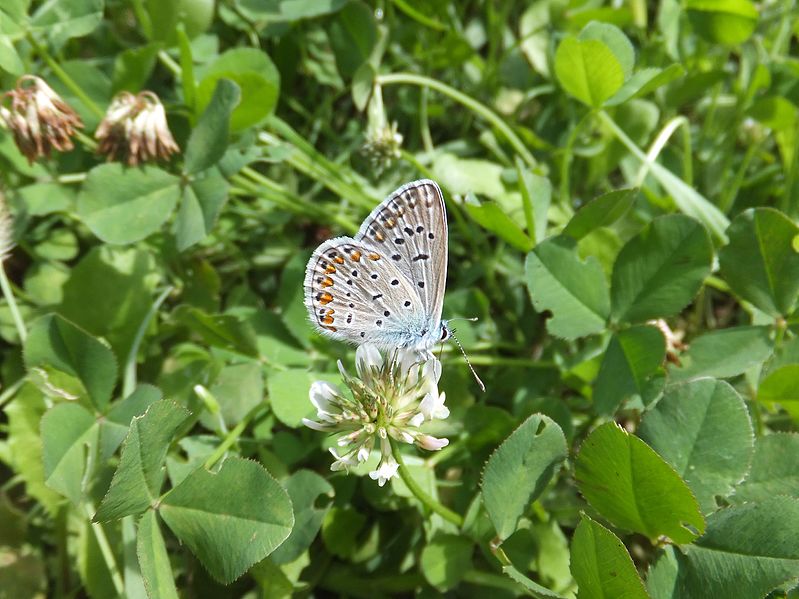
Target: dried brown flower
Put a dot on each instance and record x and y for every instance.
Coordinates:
(135, 130)
(38, 118)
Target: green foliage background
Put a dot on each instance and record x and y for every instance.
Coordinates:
(621, 180)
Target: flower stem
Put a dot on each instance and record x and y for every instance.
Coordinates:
(12, 304)
(68, 81)
(233, 436)
(129, 383)
(420, 493)
(105, 550)
(479, 109)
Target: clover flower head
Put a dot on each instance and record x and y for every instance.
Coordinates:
(391, 397)
(383, 144)
(135, 129)
(38, 118)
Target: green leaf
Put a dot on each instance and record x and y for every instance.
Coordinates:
(703, 430)
(588, 70)
(288, 395)
(10, 61)
(220, 330)
(723, 21)
(118, 286)
(353, 35)
(600, 212)
(137, 481)
(575, 291)
(209, 139)
(45, 198)
(601, 565)
(57, 343)
(631, 357)
(533, 588)
(660, 270)
(724, 353)
(536, 197)
(517, 472)
(238, 389)
(747, 551)
(230, 519)
(774, 470)
(615, 40)
(62, 21)
(690, 202)
(69, 433)
(644, 82)
(340, 529)
(194, 16)
(114, 426)
(305, 489)
(200, 206)
(154, 559)
(25, 445)
(780, 385)
(257, 78)
(630, 485)
(760, 263)
(445, 560)
(490, 215)
(132, 68)
(122, 205)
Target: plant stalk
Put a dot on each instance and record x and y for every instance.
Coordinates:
(420, 493)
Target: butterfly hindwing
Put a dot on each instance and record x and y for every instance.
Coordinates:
(354, 293)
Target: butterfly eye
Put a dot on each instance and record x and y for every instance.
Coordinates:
(444, 333)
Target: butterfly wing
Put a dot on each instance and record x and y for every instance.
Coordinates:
(386, 286)
(354, 293)
(411, 226)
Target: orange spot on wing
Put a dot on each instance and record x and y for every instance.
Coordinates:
(356, 256)
(338, 260)
(374, 256)
(325, 298)
(327, 282)
(379, 236)
(330, 269)
(334, 329)
(390, 223)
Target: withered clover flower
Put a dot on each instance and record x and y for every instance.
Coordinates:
(391, 397)
(135, 129)
(38, 118)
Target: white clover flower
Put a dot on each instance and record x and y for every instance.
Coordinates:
(135, 128)
(391, 397)
(38, 118)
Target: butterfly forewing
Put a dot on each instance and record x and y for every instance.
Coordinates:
(385, 286)
(411, 226)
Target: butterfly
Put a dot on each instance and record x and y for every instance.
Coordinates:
(385, 286)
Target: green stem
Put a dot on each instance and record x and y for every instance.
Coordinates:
(420, 493)
(68, 81)
(129, 383)
(480, 109)
(143, 17)
(233, 436)
(10, 391)
(105, 550)
(12, 304)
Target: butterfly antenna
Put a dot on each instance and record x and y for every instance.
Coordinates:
(465, 357)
